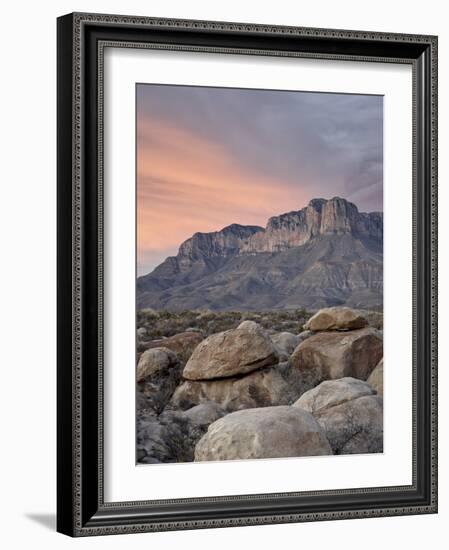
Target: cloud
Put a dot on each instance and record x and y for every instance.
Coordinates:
(208, 157)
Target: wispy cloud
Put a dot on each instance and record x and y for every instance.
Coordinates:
(208, 157)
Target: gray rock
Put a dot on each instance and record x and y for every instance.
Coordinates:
(204, 413)
(285, 343)
(270, 432)
(142, 402)
(164, 438)
(376, 378)
(349, 413)
(336, 318)
(158, 375)
(172, 435)
(233, 352)
(355, 427)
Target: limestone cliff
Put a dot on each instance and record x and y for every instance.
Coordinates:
(327, 253)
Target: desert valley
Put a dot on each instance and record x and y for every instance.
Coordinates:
(267, 342)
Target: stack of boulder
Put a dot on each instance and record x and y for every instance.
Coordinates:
(238, 369)
(342, 345)
(245, 393)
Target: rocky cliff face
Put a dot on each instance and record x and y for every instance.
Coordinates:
(324, 254)
(320, 217)
(230, 241)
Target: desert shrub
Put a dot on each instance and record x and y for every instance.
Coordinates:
(160, 324)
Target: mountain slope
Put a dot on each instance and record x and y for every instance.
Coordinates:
(325, 254)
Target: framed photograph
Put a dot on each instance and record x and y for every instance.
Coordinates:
(246, 235)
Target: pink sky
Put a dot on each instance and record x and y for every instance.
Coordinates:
(209, 157)
(187, 184)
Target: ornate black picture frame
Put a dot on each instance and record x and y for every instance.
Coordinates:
(81, 510)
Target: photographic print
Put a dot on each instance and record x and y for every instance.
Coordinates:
(259, 291)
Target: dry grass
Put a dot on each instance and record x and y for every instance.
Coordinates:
(159, 324)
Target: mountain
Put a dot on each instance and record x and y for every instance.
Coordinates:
(327, 253)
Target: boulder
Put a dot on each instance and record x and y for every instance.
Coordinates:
(332, 355)
(172, 435)
(232, 352)
(349, 413)
(162, 438)
(336, 318)
(261, 388)
(158, 375)
(182, 344)
(248, 324)
(204, 413)
(270, 432)
(154, 361)
(285, 343)
(332, 393)
(376, 378)
(169, 437)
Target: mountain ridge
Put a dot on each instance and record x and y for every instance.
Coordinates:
(327, 253)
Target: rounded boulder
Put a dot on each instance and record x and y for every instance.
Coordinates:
(336, 318)
(270, 432)
(332, 355)
(350, 414)
(232, 352)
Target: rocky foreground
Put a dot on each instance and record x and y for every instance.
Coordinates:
(251, 392)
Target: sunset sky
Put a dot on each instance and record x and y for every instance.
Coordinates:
(209, 157)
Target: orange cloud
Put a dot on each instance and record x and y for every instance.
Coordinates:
(186, 184)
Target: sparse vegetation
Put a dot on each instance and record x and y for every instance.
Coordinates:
(162, 324)
(187, 383)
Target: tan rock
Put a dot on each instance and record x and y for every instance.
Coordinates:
(261, 388)
(270, 432)
(376, 378)
(332, 393)
(350, 414)
(154, 361)
(247, 324)
(332, 355)
(233, 352)
(336, 318)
